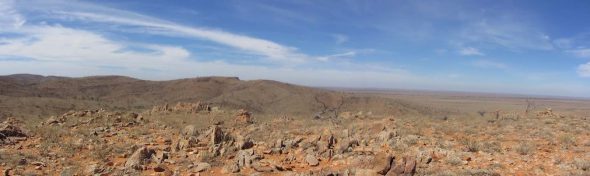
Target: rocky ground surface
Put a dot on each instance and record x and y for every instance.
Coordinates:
(99, 142)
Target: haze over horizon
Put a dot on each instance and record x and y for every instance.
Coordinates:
(519, 47)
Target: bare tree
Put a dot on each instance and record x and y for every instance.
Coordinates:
(482, 112)
(530, 105)
(327, 108)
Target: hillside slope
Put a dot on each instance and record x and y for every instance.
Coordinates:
(34, 95)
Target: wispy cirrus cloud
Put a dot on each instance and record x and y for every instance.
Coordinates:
(271, 50)
(288, 42)
(9, 17)
(470, 51)
(138, 23)
(506, 33)
(482, 63)
(336, 56)
(71, 50)
(87, 53)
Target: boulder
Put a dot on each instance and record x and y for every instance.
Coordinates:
(424, 158)
(410, 166)
(140, 157)
(8, 132)
(183, 143)
(278, 143)
(245, 158)
(159, 157)
(52, 121)
(312, 160)
(93, 169)
(382, 163)
(244, 116)
(216, 134)
(230, 168)
(407, 166)
(385, 135)
(243, 143)
(160, 168)
(11, 131)
(202, 167)
(261, 168)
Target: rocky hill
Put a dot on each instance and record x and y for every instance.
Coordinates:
(40, 96)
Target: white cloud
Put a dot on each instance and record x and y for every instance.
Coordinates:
(9, 16)
(60, 44)
(271, 50)
(57, 50)
(584, 70)
(489, 64)
(80, 51)
(340, 39)
(86, 12)
(336, 56)
(141, 24)
(470, 51)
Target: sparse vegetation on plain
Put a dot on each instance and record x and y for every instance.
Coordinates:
(232, 130)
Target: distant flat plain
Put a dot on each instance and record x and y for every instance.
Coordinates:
(471, 102)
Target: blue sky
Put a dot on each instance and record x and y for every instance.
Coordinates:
(524, 47)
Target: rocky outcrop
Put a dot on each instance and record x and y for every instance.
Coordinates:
(90, 117)
(186, 140)
(405, 166)
(312, 160)
(10, 133)
(244, 116)
(383, 163)
(55, 120)
(200, 167)
(216, 135)
(189, 108)
(547, 113)
(140, 157)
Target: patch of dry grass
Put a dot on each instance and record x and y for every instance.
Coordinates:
(567, 140)
(472, 145)
(491, 147)
(582, 164)
(525, 148)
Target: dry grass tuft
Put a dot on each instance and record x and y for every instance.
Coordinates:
(472, 145)
(525, 148)
(567, 140)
